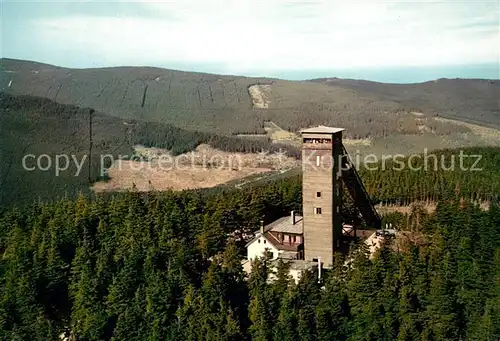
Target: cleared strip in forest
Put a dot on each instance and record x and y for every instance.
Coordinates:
(428, 206)
(144, 96)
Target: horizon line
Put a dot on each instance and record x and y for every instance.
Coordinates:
(321, 74)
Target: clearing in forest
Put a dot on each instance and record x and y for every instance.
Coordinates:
(158, 170)
(260, 95)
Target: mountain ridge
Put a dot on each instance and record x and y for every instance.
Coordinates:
(223, 104)
(310, 79)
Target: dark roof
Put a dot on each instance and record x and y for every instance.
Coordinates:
(277, 244)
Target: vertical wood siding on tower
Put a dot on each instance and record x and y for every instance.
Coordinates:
(319, 228)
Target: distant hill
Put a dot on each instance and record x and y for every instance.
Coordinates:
(224, 104)
(470, 100)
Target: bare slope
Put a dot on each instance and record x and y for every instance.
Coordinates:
(201, 168)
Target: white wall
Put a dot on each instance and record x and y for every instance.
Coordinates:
(295, 274)
(258, 247)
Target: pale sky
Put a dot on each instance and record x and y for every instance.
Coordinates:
(283, 38)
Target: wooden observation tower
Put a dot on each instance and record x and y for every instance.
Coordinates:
(326, 169)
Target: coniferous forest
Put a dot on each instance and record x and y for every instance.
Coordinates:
(168, 267)
(436, 175)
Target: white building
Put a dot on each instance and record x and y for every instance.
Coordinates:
(283, 238)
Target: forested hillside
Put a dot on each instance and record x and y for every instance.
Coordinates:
(115, 108)
(66, 129)
(469, 100)
(405, 181)
(161, 267)
(222, 104)
(38, 126)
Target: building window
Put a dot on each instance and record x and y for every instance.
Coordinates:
(318, 160)
(294, 239)
(315, 260)
(264, 241)
(317, 210)
(259, 241)
(318, 194)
